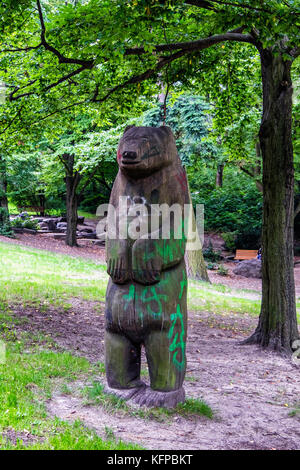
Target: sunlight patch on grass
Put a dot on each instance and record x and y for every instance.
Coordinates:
(33, 276)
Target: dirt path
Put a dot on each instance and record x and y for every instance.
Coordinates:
(251, 391)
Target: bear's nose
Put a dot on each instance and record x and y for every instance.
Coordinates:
(129, 155)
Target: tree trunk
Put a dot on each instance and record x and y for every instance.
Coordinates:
(72, 206)
(219, 176)
(195, 264)
(4, 214)
(277, 327)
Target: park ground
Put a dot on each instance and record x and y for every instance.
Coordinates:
(51, 394)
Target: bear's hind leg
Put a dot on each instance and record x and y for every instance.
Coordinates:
(123, 365)
(166, 375)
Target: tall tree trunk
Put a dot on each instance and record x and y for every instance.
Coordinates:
(72, 206)
(4, 214)
(72, 182)
(277, 327)
(195, 264)
(219, 176)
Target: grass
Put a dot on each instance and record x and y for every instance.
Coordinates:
(35, 276)
(191, 407)
(295, 411)
(27, 380)
(88, 215)
(35, 367)
(39, 277)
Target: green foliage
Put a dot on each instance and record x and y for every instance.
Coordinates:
(189, 118)
(229, 239)
(25, 222)
(5, 225)
(211, 255)
(222, 271)
(236, 207)
(249, 239)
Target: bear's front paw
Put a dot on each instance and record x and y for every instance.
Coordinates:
(117, 268)
(146, 267)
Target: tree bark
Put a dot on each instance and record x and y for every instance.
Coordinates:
(277, 328)
(4, 213)
(72, 215)
(72, 182)
(194, 260)
(219, 176)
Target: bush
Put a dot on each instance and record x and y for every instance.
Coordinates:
(222, 271)
(25, 222)
(233, 208)
(229, 239)
(212, 266)
(211, 255)
(5, 227)
(17, 222)
(31, 224)
(248, 239)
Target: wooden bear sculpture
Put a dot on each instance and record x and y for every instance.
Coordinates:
(146, 301)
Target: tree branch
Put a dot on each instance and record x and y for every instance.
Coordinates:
(143, 76)
(297, 210)
(58, 82)
(186, 47)
(197, 45)
(202, 4)
(12, 120)
(21, 49)
(252, 175)
(88, 64)
(90, 176)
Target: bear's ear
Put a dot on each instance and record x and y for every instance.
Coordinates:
(167, 129)
(127, 128)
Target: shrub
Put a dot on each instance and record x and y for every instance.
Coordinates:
(248, 239)
(211, 255)
(229, 239)
(17, 222)
(26, 222)
(212, 266)
(222, 271)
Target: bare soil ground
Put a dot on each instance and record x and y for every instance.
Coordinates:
(250, 390)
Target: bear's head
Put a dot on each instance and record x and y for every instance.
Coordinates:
(145, 150)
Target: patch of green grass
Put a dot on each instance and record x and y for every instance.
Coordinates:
(194, 406)
(87, 215)
(26, 381)
(191, 406)
(38, 277)
(295, 411)
(200, 298)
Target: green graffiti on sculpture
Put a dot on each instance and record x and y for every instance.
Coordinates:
(183, 283)
(154, 297)
(177, 345)
(148, 295)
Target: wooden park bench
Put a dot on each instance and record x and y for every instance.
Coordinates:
(246, 254)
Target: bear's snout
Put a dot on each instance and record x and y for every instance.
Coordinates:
(129, 155)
